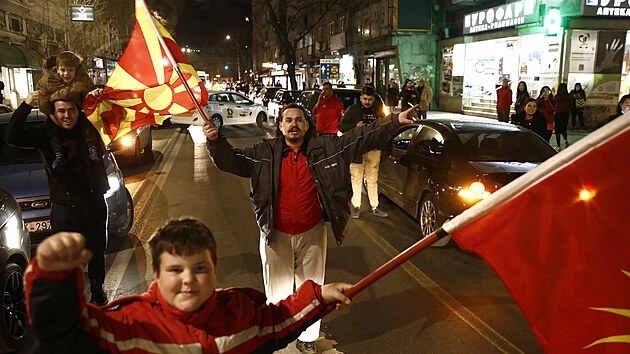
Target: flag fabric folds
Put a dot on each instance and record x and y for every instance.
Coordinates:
(144, 87)
(559, 239)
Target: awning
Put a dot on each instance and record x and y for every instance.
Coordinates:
(17, 56)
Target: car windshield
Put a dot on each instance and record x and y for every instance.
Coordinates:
(11, 156)
(511, 146)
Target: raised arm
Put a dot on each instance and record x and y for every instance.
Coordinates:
(17, 133)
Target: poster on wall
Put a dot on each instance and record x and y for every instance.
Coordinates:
(605, 90)
(583, 48)
(610, 50)
(458, 86)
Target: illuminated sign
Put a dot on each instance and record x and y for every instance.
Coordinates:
(504, 16)
(606, 8)
(82, 13)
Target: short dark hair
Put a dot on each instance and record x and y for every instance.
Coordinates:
(327, 84)
(182, 237)
(368, 90)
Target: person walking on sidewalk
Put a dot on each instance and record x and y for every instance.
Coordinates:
(299, 180)
(504, 101)
(547, 105)
(328, 110)
(392, 95)
(564, 102)
(579, 102)
(425, 95)
(408, 96)
(365, 166)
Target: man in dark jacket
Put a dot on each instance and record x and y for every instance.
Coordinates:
(298, 180)
(72, 152)
(366, 165)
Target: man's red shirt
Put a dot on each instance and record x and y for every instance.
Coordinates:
(329, 112)
(298, 206)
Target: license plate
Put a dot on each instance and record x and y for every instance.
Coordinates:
(39, 226)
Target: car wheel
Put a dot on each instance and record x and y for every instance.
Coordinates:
(14, 321)
(260, 119)
(217, 120)
(429, 219)
(124, 230)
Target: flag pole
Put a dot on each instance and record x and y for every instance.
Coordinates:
(395, 262)
(202, 114)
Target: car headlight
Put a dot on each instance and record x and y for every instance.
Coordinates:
(127, 141)
(114, 184)
(478, 189)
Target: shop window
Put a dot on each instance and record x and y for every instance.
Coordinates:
(15, 23)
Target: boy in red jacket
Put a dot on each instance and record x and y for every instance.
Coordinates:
(181, 312)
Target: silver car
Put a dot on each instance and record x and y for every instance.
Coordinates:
(14, 254)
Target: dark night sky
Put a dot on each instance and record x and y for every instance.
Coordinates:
(205, 23)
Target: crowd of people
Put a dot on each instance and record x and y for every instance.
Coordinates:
(546, 115)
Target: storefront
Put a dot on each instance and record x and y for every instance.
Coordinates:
(510, 42)
(20, 68)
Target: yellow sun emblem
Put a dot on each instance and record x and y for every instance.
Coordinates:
(622, 338)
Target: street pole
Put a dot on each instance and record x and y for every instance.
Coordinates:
(238, 60)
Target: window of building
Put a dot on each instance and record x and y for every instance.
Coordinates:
(15, 23)
(3, 21)
(331, 28)
(342, 24)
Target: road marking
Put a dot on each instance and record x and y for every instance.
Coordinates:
(477, 324)
(113, 279)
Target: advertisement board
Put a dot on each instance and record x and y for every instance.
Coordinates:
(582, 52)
(329, 70)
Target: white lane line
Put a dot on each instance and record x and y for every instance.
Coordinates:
(114, 276)
(456, 307)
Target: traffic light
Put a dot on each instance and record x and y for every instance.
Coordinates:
(552, 21)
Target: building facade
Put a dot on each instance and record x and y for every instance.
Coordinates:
(32, 30)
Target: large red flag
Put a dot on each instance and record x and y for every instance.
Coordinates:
(559, 239)
(145, 87)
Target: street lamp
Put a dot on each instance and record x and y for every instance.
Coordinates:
(238, 56)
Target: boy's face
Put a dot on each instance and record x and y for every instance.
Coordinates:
(186, 282)
(67, 73)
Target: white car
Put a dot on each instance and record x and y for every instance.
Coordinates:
(226, 108)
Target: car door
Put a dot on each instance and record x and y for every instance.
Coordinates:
(243, 108)
(423, 160)
(393, 161)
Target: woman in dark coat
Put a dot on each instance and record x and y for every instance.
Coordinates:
(564, 102)
(532, 118)
(522, 97)
(579, 101)
(392, 94)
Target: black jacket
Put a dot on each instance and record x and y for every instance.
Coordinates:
(328, 158)
(538, 125)
(86, 147)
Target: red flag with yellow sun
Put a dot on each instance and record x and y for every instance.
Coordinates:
(145, 87)
(559, 239)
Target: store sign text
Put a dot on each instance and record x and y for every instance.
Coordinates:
(508, 15)
(609, 8)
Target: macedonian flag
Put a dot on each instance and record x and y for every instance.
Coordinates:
(145, 87)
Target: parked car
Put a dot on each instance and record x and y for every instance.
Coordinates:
(265, 95)
(280, 100)
(226, 108)
(22, 174)
(14, 253)
(437, 169)
(136, 145)
(308, 99)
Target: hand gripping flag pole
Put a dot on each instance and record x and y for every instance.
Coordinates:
(202, 114)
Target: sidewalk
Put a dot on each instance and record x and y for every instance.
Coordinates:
(573, 135)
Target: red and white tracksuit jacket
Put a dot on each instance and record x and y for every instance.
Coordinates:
(234, 320)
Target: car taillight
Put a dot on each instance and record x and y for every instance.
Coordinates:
(479, 189)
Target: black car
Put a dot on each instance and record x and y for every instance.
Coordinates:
(280, 100)
(348, 96)
(437, 169)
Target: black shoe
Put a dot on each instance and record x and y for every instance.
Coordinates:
(99, 297)
(379, 212)
(355, 213)
(306, 347)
